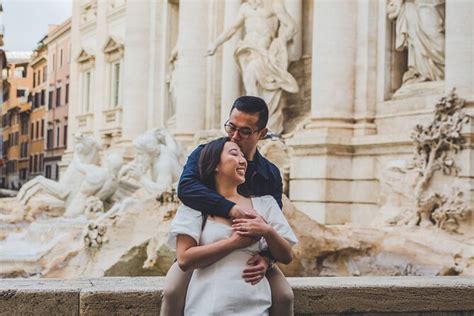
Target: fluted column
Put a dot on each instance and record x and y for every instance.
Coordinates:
(333, 69)
(136, 68)
(295, 47)
(321, 166)
(459, 71)
(230, 71)
(191, 69)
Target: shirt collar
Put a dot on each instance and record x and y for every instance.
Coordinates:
(261, 167)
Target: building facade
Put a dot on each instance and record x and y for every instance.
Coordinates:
(137, 65)
(59, 61)
(15, 107)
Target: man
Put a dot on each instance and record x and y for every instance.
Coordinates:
(246, 126)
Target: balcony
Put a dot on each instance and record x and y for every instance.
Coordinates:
(112, 121)
(85, 123)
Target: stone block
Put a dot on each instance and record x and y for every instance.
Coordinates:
(122, 296)
(363, 213)
(322, 166)
(326, 213)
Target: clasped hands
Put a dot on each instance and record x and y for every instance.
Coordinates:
(248, 227)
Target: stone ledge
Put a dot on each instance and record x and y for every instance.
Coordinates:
(141, 295)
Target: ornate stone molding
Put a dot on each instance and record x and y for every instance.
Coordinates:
(85, 59)
(113, 49)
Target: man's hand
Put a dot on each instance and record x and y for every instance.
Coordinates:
(238, 211)
(253, 227)
(255, 270)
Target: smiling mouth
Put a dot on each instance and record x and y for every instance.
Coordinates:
(241, 171)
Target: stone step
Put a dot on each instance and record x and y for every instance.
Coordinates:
(313, 296)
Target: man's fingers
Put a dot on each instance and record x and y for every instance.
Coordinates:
(252, 275)
(254, 279)
(254, 269)
(250, 214)
(253, 260)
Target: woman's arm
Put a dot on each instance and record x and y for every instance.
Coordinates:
(191, 256)
(278, 246)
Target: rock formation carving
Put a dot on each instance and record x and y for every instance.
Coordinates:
(262, 55)
(435, 147)
(420, 30)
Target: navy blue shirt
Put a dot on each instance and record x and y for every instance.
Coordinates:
(261, 178)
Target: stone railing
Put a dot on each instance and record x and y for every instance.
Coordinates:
(142, 296)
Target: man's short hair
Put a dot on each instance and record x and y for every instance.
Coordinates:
(252, 105)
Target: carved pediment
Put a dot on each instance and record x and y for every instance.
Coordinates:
(113, 48)
(85, 57)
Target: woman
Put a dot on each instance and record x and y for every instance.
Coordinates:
(218, 249)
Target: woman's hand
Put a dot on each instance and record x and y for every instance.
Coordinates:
(239, 241)
(254, 227)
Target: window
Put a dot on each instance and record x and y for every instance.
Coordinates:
(67, 93)
(37, 130)
(17, 137)
(57, 136)
(49, 139)
(24, 127)
(34, 79)
(86, 91)
(40, 163)
(115, 93)
(50, 100)
(45, 69)
(35, 163)
(42, 128)
(48, 172)
(57, 172)
(61, 58)
(58, 97)
(65, 136)
(43, 95)
(20, 93)
(38, 79)
(31, 163)
(32, 136)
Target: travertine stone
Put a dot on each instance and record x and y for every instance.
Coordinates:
(122, 296)
(141, 296)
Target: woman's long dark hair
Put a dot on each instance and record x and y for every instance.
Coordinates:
(208, 161)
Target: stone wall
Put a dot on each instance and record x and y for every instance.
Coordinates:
(366, 296)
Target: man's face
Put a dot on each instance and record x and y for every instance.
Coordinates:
(248, 121)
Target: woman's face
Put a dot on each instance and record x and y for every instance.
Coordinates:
(232, 165)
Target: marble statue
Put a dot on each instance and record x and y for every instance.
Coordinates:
(86, 151)
(156, 166)
(262, 55)
(99, 184)
(171, 81)
(420, 30)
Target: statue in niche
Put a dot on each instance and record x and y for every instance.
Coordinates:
(262, 55)
(171, 81)
(86, 152)
(420, 29)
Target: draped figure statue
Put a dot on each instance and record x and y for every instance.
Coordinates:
(420, 29)
(262, 55)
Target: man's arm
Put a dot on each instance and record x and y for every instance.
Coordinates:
(278, 183)
(193, 193)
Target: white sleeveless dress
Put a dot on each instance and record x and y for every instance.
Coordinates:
(219, 289)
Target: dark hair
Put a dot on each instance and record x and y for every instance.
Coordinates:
(208, 160)
(252, 105)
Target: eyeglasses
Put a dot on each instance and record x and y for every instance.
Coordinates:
(243, 132)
